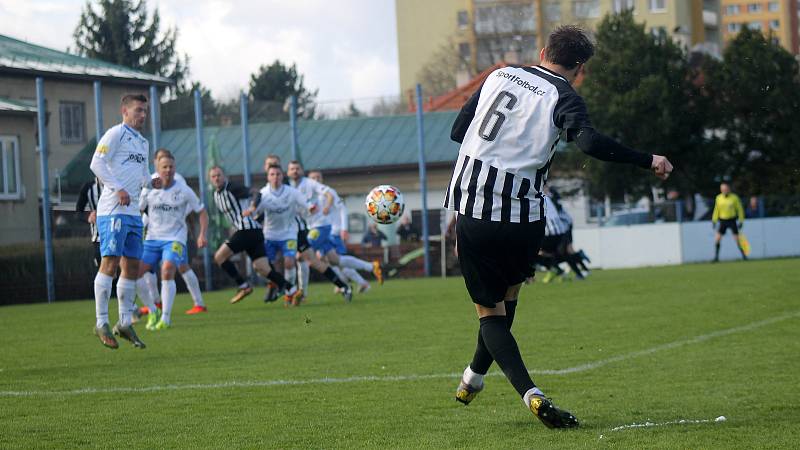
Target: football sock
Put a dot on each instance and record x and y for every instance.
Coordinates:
(126, 297)
(355, 263)
(574, 267)
(167, 299)
(716, 250)
(290, 273)
(340, 274)
(355, 276)
(471, 378)
(482, 359)
(102, 292)
(143, 291)
(531, 392)
(193, 285)
(230, 269)
(151, 285)
(503, 348)
(303, 274)
(331, 275)
(278, 279)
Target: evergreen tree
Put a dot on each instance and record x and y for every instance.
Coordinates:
(120, 32)
(272, 86)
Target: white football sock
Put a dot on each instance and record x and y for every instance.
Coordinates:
(152, 285)
(193, 285)
(338, 272)
(126, 297)
(143, 291)
(472, 378)
(355, 276)
(354, 263)
(167, 299)
(303, 273)
(290, 273)
(531, 392)
(102, 292)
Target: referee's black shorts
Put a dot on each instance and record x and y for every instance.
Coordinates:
(250, 241)
(724, 224)
(496, 255)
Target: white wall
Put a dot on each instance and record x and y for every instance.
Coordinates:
(674, 243)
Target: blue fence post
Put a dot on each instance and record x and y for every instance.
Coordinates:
(293, 126)
(245, 138)
(43, 155)
(679, 210)
(155, 118)
(201, 176)
(98, 110)
(423, 185)
(762, 210)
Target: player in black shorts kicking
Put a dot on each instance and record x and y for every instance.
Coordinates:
(508, 132)
(233, 199)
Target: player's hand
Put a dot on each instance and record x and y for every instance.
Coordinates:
(326, 210)
(661, 166)
(201, 241)
(92, 217)
(345, 235)
(156, 183)
(312, 209)
(123, 197)
(248, 212)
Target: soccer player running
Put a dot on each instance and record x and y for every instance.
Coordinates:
(232, 200)
(120, 163)
(350, 265)
(727, 209)
(508, 132)
(168, 204)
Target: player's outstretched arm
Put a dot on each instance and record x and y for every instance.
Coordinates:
(602, 147)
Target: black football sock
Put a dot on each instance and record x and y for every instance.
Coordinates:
(230, 269)
(503, 348)
(482, 359)
(279, 280)
(716, 250)
(331, 275)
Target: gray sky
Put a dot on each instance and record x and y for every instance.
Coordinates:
(346, 48)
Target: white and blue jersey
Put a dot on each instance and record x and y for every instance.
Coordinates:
(120, 163)
(167, 231)
(280, 207)
(319, 224)
(338, 223)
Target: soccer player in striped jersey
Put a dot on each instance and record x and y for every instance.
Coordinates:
(168, 205)
(727, 209)
(508, 132)
(350, 265)
(120, 162)
(89, 196)
(232, 200)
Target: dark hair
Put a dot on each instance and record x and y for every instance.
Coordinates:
(163, 152)
(167, 155)
(568, 46)
(296, 162)
(128, 98)
(275, 166)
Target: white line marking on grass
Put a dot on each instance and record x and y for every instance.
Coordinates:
(384, 378)
(649, 424)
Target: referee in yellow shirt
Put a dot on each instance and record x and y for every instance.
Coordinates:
(727, 209)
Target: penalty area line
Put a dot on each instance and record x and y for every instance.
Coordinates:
(384, 378)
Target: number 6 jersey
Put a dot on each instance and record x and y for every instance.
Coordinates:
(508, 132)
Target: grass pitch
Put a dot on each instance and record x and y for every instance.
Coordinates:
(656, 345)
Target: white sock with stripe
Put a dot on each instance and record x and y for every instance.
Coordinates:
(167, 299)
(102, 293)
(126, 298)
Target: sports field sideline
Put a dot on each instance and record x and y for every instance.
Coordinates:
(671, 347)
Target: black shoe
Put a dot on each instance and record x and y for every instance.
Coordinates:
(347, 293)
(129, 335)
(550, 415)
(272, 294)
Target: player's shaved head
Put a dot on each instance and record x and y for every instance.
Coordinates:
(128, 99)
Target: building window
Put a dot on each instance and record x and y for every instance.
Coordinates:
(465, 52)
(658, 5)
(586, 9)
(463, 20)
(773, 7)
(552, 12)
(734, 27)
(731, 10)
(774, 24)
(10, 188)
(755, 26)
(623, 5)
(753, 7)
(72, 122)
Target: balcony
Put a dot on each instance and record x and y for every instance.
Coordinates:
(710, 18)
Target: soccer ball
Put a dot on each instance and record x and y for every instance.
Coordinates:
(385, 204)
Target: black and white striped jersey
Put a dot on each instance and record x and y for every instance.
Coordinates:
(554, 222)
(508, 132)
(89, 196)
(231, 200)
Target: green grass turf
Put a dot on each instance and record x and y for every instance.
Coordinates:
(209, 376)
